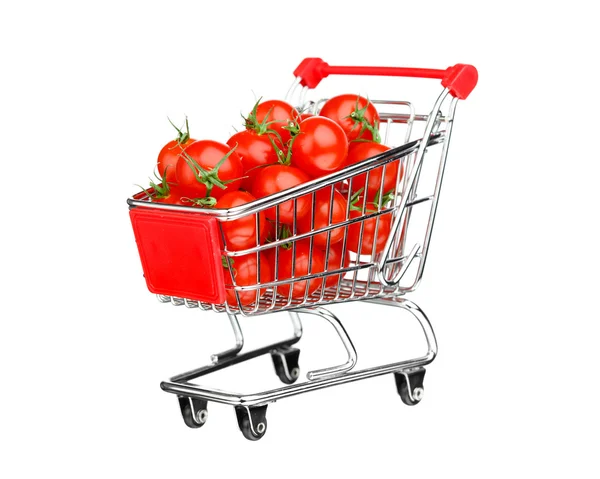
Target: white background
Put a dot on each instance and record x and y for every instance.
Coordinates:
(510, 285)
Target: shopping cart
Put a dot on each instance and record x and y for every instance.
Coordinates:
(187, 261)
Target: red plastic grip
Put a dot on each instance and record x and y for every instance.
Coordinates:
(180, 254)
(459, 79)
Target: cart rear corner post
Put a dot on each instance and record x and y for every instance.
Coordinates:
(381, 245)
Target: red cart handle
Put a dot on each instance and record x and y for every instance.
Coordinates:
(459, 79)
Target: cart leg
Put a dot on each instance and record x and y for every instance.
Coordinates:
(239, 341)
(285, 359)
(286, 365)
(239, 337)
(252, 421)
(346, 341)
(410, 385)
(419, 315)
(194, 411)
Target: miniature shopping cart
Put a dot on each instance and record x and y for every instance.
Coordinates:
(186, 260)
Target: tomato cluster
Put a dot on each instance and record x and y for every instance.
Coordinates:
(280, 148)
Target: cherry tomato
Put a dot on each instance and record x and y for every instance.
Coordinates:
(280, 113)
(276, 178)
(173, 197)
(215, 180)
(361, 151)
(274, 235)
(167, 159)
(245, 273)
(304, 116)
(356, 115)
(368, 234)
(255, 150)
(300, 262)
(335, 262)
(241, 233)
(169, 154)
(323, 207)
(164, 192)
(320, 147)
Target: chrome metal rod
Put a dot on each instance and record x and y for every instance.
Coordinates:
(408, 195)
(350, 349)
(224, 359)
(225, 363)
(292, 89)
(217, 395)
(239, 336)
(436, 194)
(418, 313)
(295, 317)
(239, 341)
(266, 397)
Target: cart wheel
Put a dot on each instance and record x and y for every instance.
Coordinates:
(285, 361)
(194, 411)
(252, 421)
(410, 385)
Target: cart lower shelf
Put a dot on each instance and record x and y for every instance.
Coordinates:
(251, 409)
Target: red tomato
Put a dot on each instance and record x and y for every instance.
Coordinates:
(245, 273)
(271, 231)
(207, 154)
(320, 147)
(167, 159)
(278, 112)
(361, 151)
(241, 234)
(274, 235)
(304, 116)
(356, 115)
(276, 178)
(255, 150)
(173, 197)
(164, 192)
(169, 154)
(323, 207)
(335, 262)
(300, 262)
(368, 234)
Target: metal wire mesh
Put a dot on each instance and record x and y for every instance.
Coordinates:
(322, 242)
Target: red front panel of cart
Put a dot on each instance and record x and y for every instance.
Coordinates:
(180, 254)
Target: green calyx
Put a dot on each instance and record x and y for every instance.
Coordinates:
(378, 202)
(207, 202)
(283, 232)
(263, 127)
(359, 119)
(286, 158)
(182, 136)
(160, 190)
(228, 263)
(385, 199)
(209, 178)
(354, 199)
(282, 157)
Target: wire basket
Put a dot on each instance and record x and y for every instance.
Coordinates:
(360, 233)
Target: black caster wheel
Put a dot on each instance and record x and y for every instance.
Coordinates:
(252, 421)
(194, 411)
(410, 385)
(285, 361)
